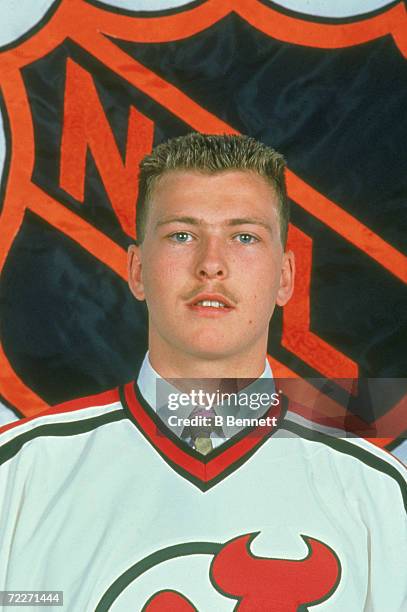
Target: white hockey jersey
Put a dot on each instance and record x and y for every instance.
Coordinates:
(97, 501)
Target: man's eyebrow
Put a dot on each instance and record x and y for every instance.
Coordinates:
(229, 222)
(180, 219)
(250, 221)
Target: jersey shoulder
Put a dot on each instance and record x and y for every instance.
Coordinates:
(75, 416)
(354, 458)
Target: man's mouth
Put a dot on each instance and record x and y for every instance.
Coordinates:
(210, 304)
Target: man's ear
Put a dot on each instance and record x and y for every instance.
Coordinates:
(134, 272)
(287, 277)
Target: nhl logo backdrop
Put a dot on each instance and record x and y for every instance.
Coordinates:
(91, 89)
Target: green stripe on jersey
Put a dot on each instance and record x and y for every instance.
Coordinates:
(347, 448)
(9, 449)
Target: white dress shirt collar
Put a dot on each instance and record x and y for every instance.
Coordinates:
(148, 376)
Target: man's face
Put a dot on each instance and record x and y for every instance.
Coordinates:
(211, 266)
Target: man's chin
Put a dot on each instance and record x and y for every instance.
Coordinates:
(211, 352)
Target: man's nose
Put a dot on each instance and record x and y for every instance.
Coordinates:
(211, 262)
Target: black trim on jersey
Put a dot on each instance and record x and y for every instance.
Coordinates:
(348, 448)
(168, 433)
(73, 428)
(203, 486)
(35, 28)
(161, 426)
(159, 556)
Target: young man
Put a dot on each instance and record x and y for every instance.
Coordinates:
(103, 499)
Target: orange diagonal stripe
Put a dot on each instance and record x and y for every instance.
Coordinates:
(91, 239)
(347, 226)
(16, 392)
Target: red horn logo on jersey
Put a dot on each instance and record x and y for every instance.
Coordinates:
(278, 585)
(261, 583)
(168, 600)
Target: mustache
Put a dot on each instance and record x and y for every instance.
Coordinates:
(221, 289)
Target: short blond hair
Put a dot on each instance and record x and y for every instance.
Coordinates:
(211, 154)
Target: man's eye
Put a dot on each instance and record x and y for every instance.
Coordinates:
(246, 238)
(181, 237)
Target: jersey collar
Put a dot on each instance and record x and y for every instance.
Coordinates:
(202, 471)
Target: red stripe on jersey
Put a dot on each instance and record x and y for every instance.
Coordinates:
(204, 469)
(99, 399)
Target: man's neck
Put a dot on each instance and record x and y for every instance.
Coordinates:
(250, 365)
(148, 377)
